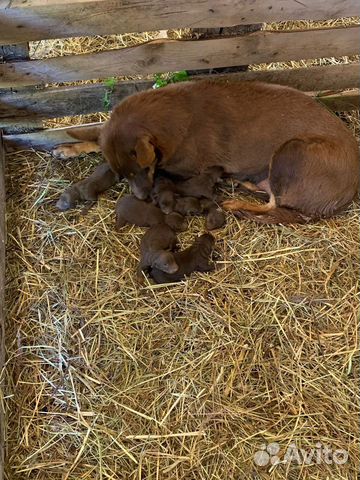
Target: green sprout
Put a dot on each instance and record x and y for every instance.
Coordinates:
(161, 80)
(110, 85)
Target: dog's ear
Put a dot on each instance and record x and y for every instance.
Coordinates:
(86, 134)
(145, 152)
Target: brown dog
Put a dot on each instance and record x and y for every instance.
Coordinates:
(196, 258)
(130, 209)
(155, 249)
(276, 138)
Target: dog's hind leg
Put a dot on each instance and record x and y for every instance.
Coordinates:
(235, 205)
(71, 150)
(310, 178)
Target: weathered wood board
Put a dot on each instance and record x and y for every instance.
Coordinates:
(47, 139)
(172, 55)
(28, 104)
(25, 20)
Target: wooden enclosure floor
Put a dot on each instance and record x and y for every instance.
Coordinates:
(106, 379)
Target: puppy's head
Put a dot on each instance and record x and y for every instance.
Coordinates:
(165, 262)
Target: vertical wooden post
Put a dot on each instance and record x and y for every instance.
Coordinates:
(8, 53)
(2, 301)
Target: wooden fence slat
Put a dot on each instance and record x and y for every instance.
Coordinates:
(19, 108)
(10, 53)
(25, 20)
(172, 55)
(47, 139)
(2, 300)
(341, 102)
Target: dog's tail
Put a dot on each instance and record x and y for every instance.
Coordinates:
(275, 216)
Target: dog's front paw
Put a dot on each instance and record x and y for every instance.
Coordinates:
(65, 151)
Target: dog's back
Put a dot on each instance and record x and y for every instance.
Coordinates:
(238, 125)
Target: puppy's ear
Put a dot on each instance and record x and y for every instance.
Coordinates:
(145, 152)
(86, 134)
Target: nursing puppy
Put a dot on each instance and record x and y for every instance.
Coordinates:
(275, 138)
(130, 209)
(163, 193)
(195, 258)
(215, 217)
(156, 247)
(200, 185)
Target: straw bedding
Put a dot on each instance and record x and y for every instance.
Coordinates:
(108, 379)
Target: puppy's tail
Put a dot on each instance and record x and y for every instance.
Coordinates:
(275, 216)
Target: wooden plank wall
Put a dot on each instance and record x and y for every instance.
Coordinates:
(48, 139)
(28, 104)
(172, 55)
(25, 20)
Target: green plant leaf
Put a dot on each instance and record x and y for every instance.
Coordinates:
(179, 76)
(110, 82)
(161, 81)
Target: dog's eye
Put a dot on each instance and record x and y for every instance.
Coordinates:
(132, 153)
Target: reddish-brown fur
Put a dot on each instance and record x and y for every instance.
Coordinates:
(253, 130)
(215, 217)
(163, 193)
(130, 209)
(155, 249)
(200, 185)
(195, 258)
(188, 206)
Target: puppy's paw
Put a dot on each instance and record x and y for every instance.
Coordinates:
(64, 204)
(65, 151)
(68, 199)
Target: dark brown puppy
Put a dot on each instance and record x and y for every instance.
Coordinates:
(188, 206)
(155, 249)
(279, 139)
(200, 185)
(90, 188)
(130, 209)
(163, 193)
(165, 190)
(196, 258)
(141, 183)
(215, 217)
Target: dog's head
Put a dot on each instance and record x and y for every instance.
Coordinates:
(130, 152)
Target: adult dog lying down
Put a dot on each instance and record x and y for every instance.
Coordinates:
(273, 138)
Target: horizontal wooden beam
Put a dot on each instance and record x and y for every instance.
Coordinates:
(24, 20)
(172, 55)
(341, 102)
(21, 108)
(48, 139)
